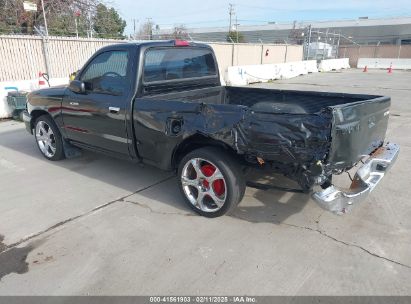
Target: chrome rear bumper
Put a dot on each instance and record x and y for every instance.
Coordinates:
(365, 180)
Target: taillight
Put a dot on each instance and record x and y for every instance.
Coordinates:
(181, 43)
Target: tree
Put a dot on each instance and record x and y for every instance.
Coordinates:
(235, 36)
(61, 18)
(146, 31)
(180, 32)
(108, 23)
(13, 18)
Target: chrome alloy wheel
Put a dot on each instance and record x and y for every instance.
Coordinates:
(204, 185)
(45, 139)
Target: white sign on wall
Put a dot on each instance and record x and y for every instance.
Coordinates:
(30, 6)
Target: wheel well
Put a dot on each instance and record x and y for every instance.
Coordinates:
(36, 114)
(195, 142)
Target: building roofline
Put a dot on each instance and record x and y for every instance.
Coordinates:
(302, 24)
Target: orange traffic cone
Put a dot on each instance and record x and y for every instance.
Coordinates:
(41, 81)
(365, 69)
(390, 69)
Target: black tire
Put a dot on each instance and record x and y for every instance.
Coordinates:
(233, 179)
(56, 140)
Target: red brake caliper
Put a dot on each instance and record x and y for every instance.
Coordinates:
(218, 185)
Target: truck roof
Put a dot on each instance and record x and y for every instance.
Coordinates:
(156, 43)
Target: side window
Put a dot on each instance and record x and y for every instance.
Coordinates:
(178, 63)
(107, 73)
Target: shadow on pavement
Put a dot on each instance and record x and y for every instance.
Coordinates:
(273, 209)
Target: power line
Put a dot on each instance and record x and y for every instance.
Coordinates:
(44, 17)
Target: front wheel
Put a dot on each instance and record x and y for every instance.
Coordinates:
(48, 138)
(211, 181)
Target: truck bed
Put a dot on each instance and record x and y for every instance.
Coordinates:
(296, 128)
(266, 100)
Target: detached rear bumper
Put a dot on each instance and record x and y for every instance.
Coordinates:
(365, 180)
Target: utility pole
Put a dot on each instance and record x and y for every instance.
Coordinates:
(309, 42)
(46, 42)
(236, 27)
(231, 13)
(325, 44)
(338, 44)
(150, 30)
(45, 20)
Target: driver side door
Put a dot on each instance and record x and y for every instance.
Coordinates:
(96, 117)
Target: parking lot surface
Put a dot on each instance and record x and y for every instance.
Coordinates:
(101, 226)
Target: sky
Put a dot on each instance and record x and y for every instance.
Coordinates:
(210, 13)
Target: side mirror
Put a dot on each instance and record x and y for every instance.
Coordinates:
(77, 86)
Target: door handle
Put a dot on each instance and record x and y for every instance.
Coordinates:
(114, 110)
(73, 103)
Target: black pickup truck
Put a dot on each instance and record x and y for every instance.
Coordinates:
(162, 103)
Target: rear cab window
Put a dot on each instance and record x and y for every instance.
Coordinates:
(163, 64)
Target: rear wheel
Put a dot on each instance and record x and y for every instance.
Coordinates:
(48, 138)
(211, 181)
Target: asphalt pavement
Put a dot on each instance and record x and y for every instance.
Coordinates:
(95, 225)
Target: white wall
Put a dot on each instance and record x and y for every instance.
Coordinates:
(245, 74)
(384, 63)
(333, 64)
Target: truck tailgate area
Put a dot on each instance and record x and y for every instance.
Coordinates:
(357, 130)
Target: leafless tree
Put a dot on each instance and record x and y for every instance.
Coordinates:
(146, 31)
(180, 32)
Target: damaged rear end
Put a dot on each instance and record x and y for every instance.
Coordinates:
(357, 137)
(325, 134)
